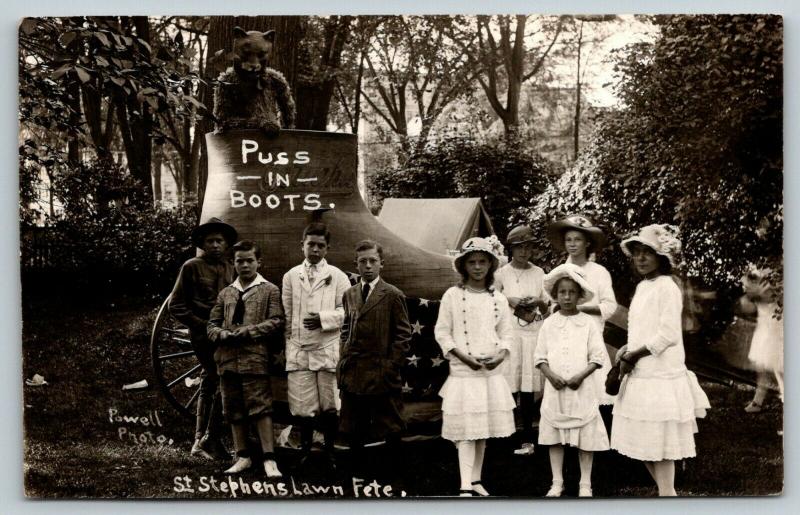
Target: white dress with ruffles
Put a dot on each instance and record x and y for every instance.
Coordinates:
(600, 280)
(518, 369)
(659, 400)
(571, 417)
(476, 404)
(766, 347)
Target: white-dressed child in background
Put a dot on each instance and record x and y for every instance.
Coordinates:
(474, 332)
(766, 346)
(570, 349)
(521, 282)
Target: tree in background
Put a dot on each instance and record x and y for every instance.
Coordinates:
(698, 143)
(503, 176)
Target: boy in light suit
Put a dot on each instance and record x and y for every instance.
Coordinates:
(312, 299)
(376, 335)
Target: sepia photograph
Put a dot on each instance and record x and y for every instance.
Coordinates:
(515, 256)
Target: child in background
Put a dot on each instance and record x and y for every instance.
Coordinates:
(766, 346)
(570, 349)
(475, 334)
(521, 282)
(246, 313)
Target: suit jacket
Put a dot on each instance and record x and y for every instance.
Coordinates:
(374, 340)
(317, 349)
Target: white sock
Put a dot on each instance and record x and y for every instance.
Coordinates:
(466, 459)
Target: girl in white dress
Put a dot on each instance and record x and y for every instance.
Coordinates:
(521, 282)
(766, 346)
(569, 351)
(580, 238)
(659, 398)
(475, 334)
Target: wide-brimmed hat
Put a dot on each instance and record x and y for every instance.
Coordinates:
(213, 225)
(573, 272)
(490, 246)
(556, 230)
(661, 238)
(518, 235)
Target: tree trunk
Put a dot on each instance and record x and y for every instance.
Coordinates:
(157, 194)
(577, 121)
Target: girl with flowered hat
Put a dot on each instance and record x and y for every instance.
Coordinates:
(579, 237)
(475, 334)
(570, 350)
(521, 282)
(659, 398)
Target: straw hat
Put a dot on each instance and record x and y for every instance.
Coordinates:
(661, 238)
(490, 246)
(213, 225)
(518, 235)
(573, 272)
(556, 230)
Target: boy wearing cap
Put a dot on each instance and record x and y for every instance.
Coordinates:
(199, 281)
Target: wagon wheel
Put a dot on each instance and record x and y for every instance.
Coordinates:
(175, 367)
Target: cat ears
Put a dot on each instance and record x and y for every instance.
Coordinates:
(239, 32)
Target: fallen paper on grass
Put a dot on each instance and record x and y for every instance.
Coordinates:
(138, 385)
(192, 381)
(36, 380)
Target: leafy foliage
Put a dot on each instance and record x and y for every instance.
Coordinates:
(501, 174)
(698, 143)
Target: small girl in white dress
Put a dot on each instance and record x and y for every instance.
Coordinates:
(569, 350)
(474, 332)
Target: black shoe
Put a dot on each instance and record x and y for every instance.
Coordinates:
(214, 447)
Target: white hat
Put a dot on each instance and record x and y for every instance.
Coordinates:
(490, 246)
(662, 238)
(573, 272)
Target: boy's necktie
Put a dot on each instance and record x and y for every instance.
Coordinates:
(238, 311)
(365, 293)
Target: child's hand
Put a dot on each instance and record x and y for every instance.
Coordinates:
(471, 362)
(622, 350)
(575, 381)
(495, 360)
(556, 380)
(312, 322)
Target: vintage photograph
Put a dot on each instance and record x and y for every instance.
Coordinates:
(402, 256)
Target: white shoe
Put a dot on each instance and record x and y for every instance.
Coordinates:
(555, 489)
(585, 490)
(478, 488)
(526, 449)
(241, 465)
(271, 468)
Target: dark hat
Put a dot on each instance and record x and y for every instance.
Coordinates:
(519, 234)
(556, 230)
(213, 225)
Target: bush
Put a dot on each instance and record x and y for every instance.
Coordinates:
(503, 175)
(107, 237)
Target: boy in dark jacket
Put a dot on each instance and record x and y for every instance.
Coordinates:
(374, 341)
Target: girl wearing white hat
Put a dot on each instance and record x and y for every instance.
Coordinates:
(579, 237)
(569, 352)
(475, 334)
(659, 398)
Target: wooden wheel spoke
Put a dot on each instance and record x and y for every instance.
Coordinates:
(183, 376)
(194, 398)
(176, 355)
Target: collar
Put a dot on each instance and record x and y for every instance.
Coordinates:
(371, 285)
(561, 320)
(258, 280)
(319, 266)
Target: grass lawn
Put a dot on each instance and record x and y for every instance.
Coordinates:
(73, 448)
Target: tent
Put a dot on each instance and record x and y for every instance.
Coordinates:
(439, 225)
